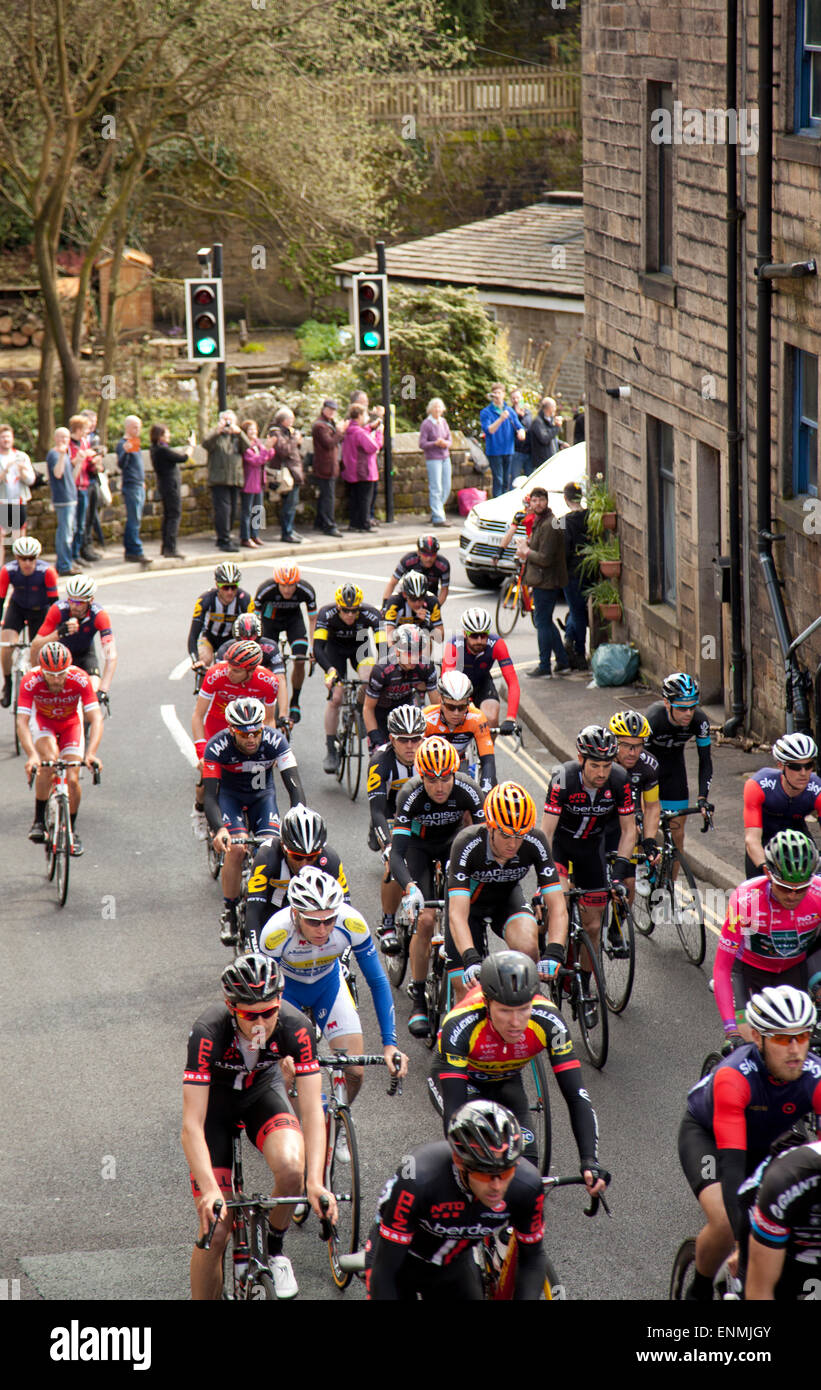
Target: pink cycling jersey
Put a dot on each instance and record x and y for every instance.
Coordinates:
(758, 932)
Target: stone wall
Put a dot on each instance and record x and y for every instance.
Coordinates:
(565, 334)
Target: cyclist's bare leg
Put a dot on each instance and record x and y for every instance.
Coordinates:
(353, 1043)
(232, 871)
(391, 896)
(297, 675)
(677, 828)
(714, 1241)
(521, 934)
(591, 916)
(7, 635)
(420, 944)
(206, 1265)
(47, 751)
(332, 708)
(491, 710)
(284, 1152)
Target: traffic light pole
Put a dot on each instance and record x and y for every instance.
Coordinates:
(222, 377)
(386, 398)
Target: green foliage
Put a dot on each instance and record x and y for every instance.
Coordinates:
(322, 342)
(252, 347)
(593, 552)
(599, 500)
(604, 592)
(180, 417)
(22, 416)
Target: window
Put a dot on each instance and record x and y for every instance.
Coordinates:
(661, 512)
(659, 178)
(805, 424)
(808, 67)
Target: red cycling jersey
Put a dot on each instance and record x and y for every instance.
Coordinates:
(764, 935)
(219, 690)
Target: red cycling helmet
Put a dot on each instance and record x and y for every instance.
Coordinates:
(55, 657)
(248, 655)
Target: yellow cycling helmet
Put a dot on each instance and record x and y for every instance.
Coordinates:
(348, 596)
(627, 723)
(510, 808)
(435, 757)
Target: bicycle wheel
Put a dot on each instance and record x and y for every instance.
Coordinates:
(260, 1287)
(397, 965)
(344, 1177)
(592, 1010)
(553, 1290)
(534, 1080)
(435, 995)
(711, 1061)
(51, 858)
(618, 955)
(15, 697)
(688, 913)
(342, 744)
(353, 762)
(684, 1266)
(642, 901)
(507, 607)
(62, 852)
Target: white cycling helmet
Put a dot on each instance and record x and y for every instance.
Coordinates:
(780, 1009)
(312, 890)
(406, 719)
(81, 588)
(246, 715)
(454, 685)
(26, 548)
(476, 621)
(414, 584)
(795, 748)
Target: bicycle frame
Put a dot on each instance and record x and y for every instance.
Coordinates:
(499, 1272)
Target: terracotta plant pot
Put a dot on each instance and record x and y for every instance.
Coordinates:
(610, 612)
(610, 521)
(610, 569)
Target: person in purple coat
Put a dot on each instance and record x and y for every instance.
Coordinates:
(360, 447)
(435, 442)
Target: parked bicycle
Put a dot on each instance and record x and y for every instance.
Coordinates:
(351, 739)
(515, 598)
(662, 898)
(498, 1259)
(20, 667)
(59, 840)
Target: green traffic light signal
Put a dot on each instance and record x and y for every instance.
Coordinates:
(371, 340)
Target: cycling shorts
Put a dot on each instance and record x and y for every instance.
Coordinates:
(747, 980)
(260, 1111)
(584, 861)
(421, 862)
(87, 661)
(330, 1002)
(340, 660)
(294, 629)
(485, 690)
(695, 1144)
(259, 813)
(68, 733)
(15, 616)
(510, 1093)
(496, 912)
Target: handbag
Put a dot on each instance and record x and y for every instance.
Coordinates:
(104, 486)
(285, 482)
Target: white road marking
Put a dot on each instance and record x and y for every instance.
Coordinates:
(525, 761)
(177, 732)
(128, 608)
(180, 670)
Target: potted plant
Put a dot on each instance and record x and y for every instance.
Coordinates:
(600, 557)
(607, 601)
(601, 508)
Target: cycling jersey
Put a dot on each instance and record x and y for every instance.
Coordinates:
(399, 611)
(767, 807)
(336, 642)
(386, 778)
(219, 1055)
(473, 726)
(94, 622)
(585, 812)
(474, 871)
(787, 1211)
(219, 690)
(269, 881)
(247, 774)
(391, 684)
(56, 706)
(437, 576)
(644, 784)
(271, 655)
(477, 666)
(30, 593)
(276, 611)
(432, 824)
(764, 935)
(214, 618)
(667, 742)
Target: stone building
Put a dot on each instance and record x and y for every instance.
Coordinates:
(657, 129)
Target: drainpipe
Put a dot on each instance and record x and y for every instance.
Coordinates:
(734, 217)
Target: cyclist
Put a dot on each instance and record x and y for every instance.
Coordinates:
(772, 931)
(248, 628)
(31, 586)
(280, 600)
(75, 621)
(784, 1250)
(427, 561)
(308, 938)
(240, 673)
(444, 1199)
(302, 840)
(474, 653)
(55, 697)
(487, 866)
(233, 1079)
(430, 810)
(780, 797)
(582, 799)
(487, 1041)
(632, 730)
(347, 630)
(214, 614)
(414, 603)
(406, 674)
(389, 769)
(673, 721)
(734, 1115)
(457, 720)
(238, 783)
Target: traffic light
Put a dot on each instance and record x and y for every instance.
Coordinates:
(204, 321)
(370, 314)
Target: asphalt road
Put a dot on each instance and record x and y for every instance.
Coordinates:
(99, 998)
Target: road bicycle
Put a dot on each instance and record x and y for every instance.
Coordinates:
(662, 898)
(580, 982)
(498, 1258)
(351, 739)
(59, 834)
(618, 944)
(515, 597)
(469, 759)
(405, 922)
(726, 1286)
(250, 843)
(20, 667)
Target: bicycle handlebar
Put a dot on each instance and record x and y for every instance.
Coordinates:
(368, 1059)
(62, 765)
(667, 816)
(578, 1181)
(265, 1204)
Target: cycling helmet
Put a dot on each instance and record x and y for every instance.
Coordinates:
(247, 625)
(227, 573)
(595, 741)
(26, 548)
(303, 831)
(435, 757)
(252, 979)
(509, 977)
(510, 808)
(55, 657)
(348, 596)
(454, 685)
(795, 748)
(413, 641)
(244, 654)
(245, 715)
(780, 1009)
(476, 622)
(791, 858)
(414, 585)
(312, 890)
(626, 723)
(286, 573)
(427, 545)
(680, 689)
(81, 588)
(485, 1137)
(406, 719)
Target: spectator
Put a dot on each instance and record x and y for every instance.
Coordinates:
(522, 461)
(327, 437)
(546, 573)
(500, 429)
(95, 465)
(252, 513)
(63, 498)
(360, 446)
(285, 441)
(225, 447)
(435, 442)
(16, 476)
(575, 536)
(82, 456)
(373, 419)
(578, 423)
(544, 432)
(166, 464)
(132, 471)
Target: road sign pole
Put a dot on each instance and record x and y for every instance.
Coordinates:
(386, 399)
(222, 377)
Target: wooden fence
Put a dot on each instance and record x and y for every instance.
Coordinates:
(515, 95)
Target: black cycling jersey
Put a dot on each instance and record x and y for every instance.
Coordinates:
(334, 638)
(787, 1211)
(219, 1055)
(399, 611)
(474, 870)
(422, 821)
(269, 881)
(276, 611)
(667, 742)
(386, 778)
(642, 778)
(271, 655)
(391, 684)
(582, 813)
(213, 618)
(436, 577)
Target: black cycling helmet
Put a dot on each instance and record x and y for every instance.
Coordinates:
(414, 584)
(680, 688)
(509, 977)
(595, 741)
(485, 1137)
(247, 625)
(303, 831)
(252, 979)
(791, 858)
(427, 545)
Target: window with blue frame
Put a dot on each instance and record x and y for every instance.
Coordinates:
(808, 67)
(805, 424)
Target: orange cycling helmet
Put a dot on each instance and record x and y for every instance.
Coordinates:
(286, 573)
(510, 808)
(248, 655)
(55, 657)
(435, 757)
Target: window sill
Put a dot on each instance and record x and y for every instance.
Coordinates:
(663, 620)
(656, 285)
(802, 149)
(791, 510)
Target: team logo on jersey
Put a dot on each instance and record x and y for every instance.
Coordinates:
(357, 925)
(274, 939)
(257, 881)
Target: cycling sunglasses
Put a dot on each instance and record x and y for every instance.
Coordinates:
(437, 776)
(503, 1174)
(508, 834)
(300, 854)
(254, 1014)
(457, 709)
(784, 1039)
(228, 586)
(408, 738)
(792, 887)
(800, 767)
